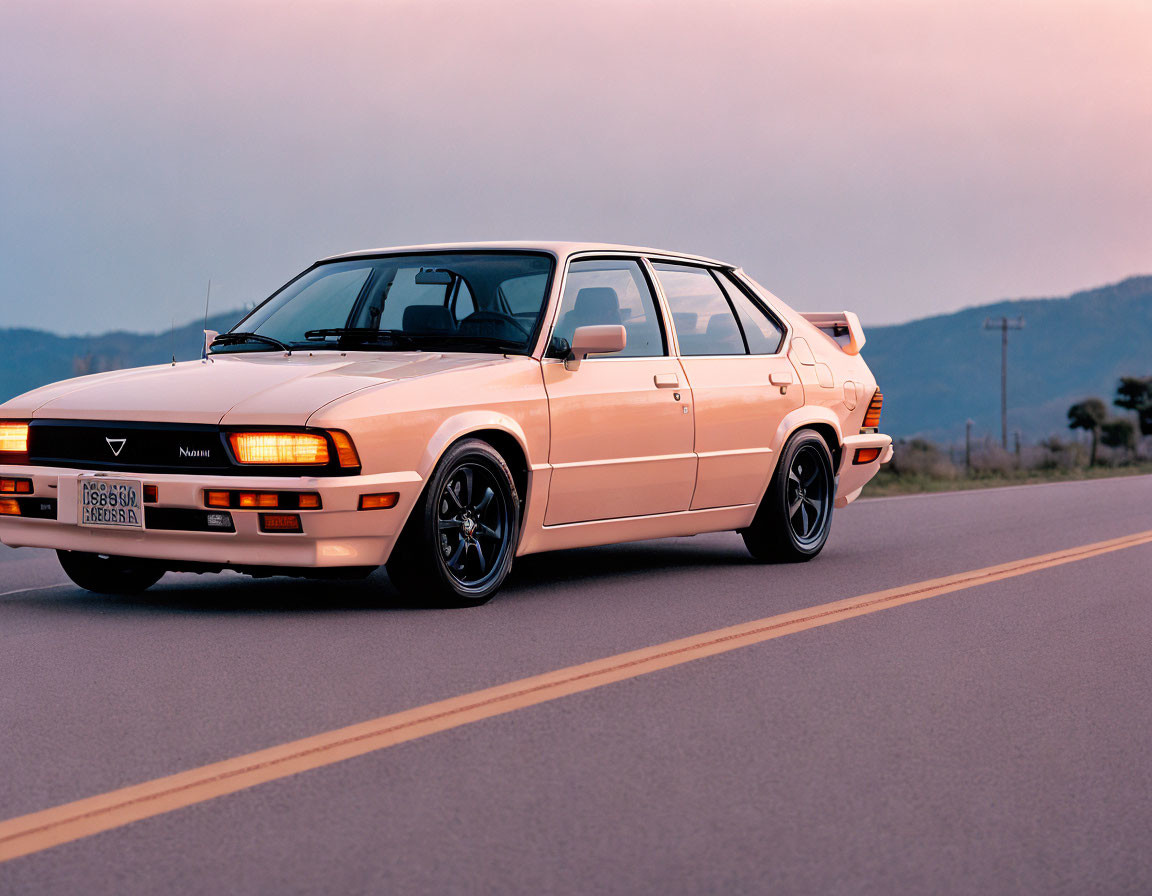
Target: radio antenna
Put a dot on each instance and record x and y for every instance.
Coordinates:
(206, 300)
(203, 336)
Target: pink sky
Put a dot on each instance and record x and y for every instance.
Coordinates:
(898, 158)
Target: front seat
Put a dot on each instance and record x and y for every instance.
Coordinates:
(595, 305)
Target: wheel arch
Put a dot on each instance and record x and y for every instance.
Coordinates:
(499, 430)
(821, 420)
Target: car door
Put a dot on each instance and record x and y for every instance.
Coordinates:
(741, 386)
(621, 424)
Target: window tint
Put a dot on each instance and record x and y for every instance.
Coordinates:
(325, 295)
(762, 333)
(609, 291)
(702, 316)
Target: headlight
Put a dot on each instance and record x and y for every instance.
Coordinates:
(280, 448)
(13, 438)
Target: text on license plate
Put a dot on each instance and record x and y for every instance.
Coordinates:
(111, 502)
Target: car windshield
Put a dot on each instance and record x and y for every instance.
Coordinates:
(464, 301)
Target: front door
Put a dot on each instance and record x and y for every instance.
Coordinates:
(622, 426)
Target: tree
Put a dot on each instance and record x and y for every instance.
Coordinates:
(1135, 394)
(1119, 433)
(1088, 414)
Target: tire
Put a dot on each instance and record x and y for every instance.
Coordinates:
(457, 548)
(795, 515)
(103, 574)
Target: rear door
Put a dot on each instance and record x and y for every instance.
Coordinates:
(622, 433)
(729, 348)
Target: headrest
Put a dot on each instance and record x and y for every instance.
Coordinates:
(598, 302)
(428, 319)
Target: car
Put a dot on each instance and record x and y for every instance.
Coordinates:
(442, 409)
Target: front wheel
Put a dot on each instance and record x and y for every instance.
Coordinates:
(105, 574)
(457, 547)
(795, 516)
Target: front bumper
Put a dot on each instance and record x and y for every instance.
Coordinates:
(337, 535)
(852, 477)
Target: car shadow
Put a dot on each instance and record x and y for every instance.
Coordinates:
(533, 576)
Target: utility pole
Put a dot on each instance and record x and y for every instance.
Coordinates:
(1004, 324)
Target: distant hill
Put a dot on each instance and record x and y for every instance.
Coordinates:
(938, 372)
(32, 358)
(935, 373)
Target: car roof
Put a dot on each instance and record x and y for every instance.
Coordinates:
(556, 247)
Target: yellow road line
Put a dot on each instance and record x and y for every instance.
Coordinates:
(72, 821)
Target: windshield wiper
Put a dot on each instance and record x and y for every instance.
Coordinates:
(234, 337)
(363, 334)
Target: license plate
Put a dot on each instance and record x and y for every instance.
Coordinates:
(111, 502)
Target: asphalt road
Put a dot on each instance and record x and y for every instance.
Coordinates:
(993, 740)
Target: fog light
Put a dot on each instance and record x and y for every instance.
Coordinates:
(9, 507)
(866, 455)
(218, 499)
(151, 494)
(379, 502)
(16, 486)
(219, 520)
(279, 522)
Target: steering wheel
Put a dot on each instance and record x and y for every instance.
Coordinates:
(497, 317)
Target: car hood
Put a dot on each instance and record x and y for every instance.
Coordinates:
(254, 388)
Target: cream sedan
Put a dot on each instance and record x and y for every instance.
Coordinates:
(444, 409)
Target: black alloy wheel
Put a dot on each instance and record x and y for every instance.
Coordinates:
(795, 515)
(808, 494)
(458, 545)
(472, 519)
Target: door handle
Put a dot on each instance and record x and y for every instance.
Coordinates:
(783, 378)
(666, 381)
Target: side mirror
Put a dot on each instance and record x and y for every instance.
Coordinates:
(599, 340)
(209, 335)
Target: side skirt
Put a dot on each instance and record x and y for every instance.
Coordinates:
(635, 528)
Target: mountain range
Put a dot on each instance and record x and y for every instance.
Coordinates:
(936, 372)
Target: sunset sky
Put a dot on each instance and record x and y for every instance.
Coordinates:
(898, 158)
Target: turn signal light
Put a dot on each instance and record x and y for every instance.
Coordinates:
(151, 494)
(379, 502)
(872, 417)
(280, 448)
(866, 455)
(345, 450)
(13, 437)
(16, 486)
(252, 500)
(9, 507)
(279, 522)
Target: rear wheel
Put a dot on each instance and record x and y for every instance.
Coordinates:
(458, 545)
(795, 516)
(105, 574)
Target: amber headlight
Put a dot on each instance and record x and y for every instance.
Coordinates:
(280, 448)
(13, 440)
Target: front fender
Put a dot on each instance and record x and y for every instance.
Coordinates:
(462, 424)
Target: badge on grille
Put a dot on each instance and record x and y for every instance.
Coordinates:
(117, 445)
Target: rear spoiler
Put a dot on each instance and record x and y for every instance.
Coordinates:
(843, 326)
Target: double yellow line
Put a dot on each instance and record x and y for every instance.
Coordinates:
(72, 821)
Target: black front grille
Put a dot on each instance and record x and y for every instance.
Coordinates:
(145, 447)
(156, 448)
